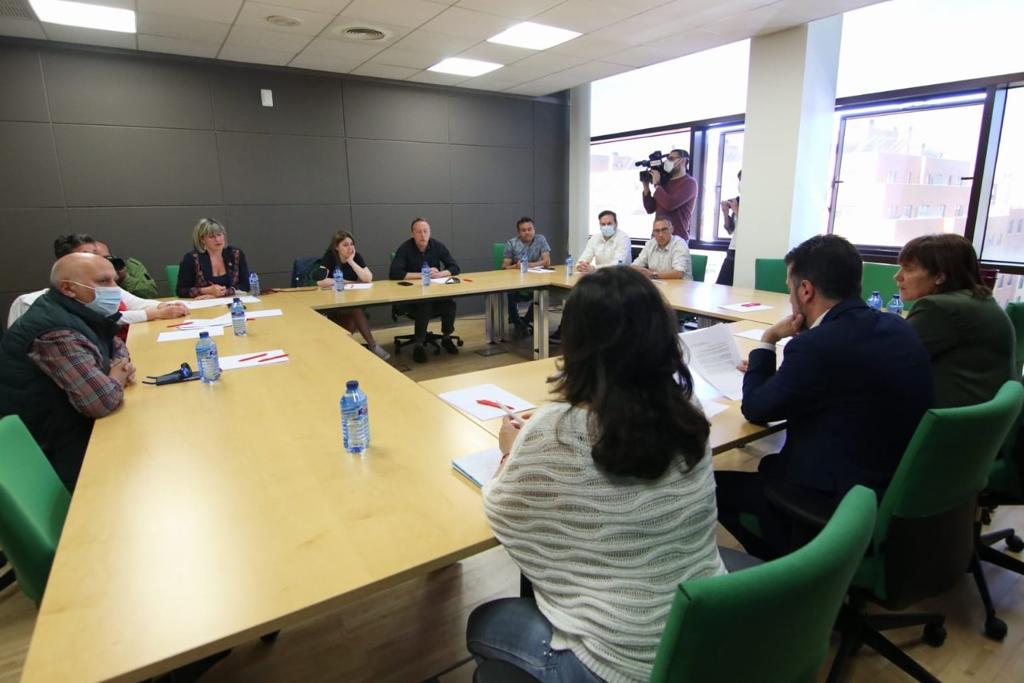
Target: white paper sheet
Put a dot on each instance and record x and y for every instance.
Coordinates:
(480, 467)
(268, 313)
(195, 305)
(439, 281)
(466, 401)
(714, 354)
(541, 270)
(746, 307)
(359, 285)
(712, 408)
(756, 335)
(178, 335)
(253, 360)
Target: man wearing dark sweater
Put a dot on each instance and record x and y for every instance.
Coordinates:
(407, 265)
(675, 199)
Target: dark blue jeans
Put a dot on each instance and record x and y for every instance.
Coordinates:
(513, 630)
(513, 310)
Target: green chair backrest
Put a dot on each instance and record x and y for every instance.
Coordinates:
(879, 276)
(700, 266)
(770, 275)
(33, 505)
(1016, 312)
(498, 252)
(172, 278)
(772, 620)
(943, 469)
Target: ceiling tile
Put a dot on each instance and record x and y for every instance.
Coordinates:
(522, 9)
(437, 78)
(223, 11)
(410, 13)
(177, 46)
(760, 20)
(170, 26)
(590, 47)
(548, 62)
(592, 71)
(89, 36)
(394, 32)
(254, 15)
(272, 40)
(342, 50)
(21, 28)
(325, 6)
(455, 21)
(439, 44)
(255, 55)
(394, 56)
(385, 71)
(584, 15)
(492, 52)
(638, 56)
(120, 4)
(644, 5)
(528, 89)
(492, 81)
(324, 63)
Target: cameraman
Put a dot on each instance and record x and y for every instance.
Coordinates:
(675, 198)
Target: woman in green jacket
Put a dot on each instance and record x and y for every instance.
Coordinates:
(968, 336)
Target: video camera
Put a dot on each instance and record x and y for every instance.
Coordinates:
(653, 161)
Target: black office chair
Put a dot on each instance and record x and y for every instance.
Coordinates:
(433, 340)
(307, 271)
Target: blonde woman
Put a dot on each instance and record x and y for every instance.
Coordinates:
(341, 253)
(212, 268)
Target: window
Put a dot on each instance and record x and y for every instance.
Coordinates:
(1006, 207)
(723, 160)
(615, 180)
(919, 141)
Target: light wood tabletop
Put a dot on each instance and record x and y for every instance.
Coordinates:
(207, 515)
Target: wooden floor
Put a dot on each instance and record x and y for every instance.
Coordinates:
(417, 629)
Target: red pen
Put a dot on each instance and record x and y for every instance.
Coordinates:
(258, 355)
(264, 360)
(466, 279)
(500, 406)
(187, 322)
(751, 303)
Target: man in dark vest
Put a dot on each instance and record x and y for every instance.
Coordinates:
(61, 365)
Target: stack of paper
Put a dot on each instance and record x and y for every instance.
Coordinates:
(480, 467)
(714, 355)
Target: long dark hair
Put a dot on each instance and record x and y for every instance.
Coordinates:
(950, 255)
(622, 360)
(330, 259)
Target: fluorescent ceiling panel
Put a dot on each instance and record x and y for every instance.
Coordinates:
(84, 15)
(464, 67)
(533, 36)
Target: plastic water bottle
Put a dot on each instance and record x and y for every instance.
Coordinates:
(355, 418)
(254, 284)
(425, 274)
(237, 317)
(524, 265)
(896, 304)
(875, 301)
(568, 267)
(207, 359)
(339, 280)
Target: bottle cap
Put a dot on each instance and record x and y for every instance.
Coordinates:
(352, 385)
(204, 335)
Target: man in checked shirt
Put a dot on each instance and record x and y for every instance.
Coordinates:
(61, 365)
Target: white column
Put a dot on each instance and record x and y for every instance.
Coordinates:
(579, 168)
(791, 96)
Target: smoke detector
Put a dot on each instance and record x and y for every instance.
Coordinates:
(361, 34)
(282, 20)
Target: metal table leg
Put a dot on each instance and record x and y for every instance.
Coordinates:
(540, 323)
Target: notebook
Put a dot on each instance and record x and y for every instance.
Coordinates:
(480, 467)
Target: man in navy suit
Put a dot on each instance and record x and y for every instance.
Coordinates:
(852, 387)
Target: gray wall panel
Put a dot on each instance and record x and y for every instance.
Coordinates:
(385, 112)
(305, 105)
(31, 231)
(490, 121)
(399, 172)
(550, 174)
(29, 174)
(24, 98)
(156, 235)
(380, 228)
(478, 226)
(282, 169)
(550, 125)
(111, 90)
(114, 166)
(273, 236)
(552, 220)
(491, 175)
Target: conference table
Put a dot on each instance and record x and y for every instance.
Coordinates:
(208, 515)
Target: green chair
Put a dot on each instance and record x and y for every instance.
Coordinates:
(33, 505)
(773, 617)
(172, 278)
(879, 277)
(924, 536)
(1016, 312)
(498, 251)
(699, 262)
(770, 275)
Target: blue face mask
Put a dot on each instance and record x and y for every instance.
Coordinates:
(607, 231)
(107, 300)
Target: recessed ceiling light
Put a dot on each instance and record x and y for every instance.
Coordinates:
(282, 20)
(84, 15)
(533, 36)
(464, 67)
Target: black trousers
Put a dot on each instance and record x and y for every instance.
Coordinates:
(728, 267)
(741, 500)
(422, 312)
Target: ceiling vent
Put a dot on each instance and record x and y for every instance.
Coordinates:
(362, 34)
(283, 21)
(16, 9)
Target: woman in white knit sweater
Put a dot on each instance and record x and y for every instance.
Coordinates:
(605, 499)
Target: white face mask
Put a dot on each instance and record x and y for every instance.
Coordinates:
(107, 300)
(607, 231)
(668, 165)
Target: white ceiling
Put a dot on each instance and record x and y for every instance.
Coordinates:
(619, 35)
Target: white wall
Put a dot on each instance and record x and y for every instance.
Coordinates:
(579, 168)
